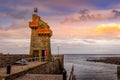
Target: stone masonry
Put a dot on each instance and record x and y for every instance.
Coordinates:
(40, 38)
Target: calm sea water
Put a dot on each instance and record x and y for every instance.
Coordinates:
(85, 70)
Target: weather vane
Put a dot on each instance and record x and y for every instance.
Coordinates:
(35, 10)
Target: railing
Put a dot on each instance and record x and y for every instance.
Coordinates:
(36, 59)
(72, 76)
(54, 57)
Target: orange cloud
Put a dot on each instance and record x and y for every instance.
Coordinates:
(105, 31)
(109, 31)
(108, 28)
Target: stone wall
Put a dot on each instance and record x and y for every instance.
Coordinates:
(49, 68)
(53, 67)
(10, 59)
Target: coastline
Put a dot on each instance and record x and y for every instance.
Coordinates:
(110, 60)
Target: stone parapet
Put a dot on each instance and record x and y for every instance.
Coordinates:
(10, 59)
(53, 67)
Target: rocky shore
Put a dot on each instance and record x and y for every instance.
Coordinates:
(111, 60)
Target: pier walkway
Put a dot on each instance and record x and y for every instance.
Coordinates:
(20, 68)
(34, 70)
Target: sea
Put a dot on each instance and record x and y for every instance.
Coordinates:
(87, 70)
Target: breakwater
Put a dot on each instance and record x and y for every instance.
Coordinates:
(37, 67)
(11, 58)
(110, 60)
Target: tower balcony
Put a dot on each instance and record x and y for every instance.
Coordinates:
(44, 32)
(33, 25)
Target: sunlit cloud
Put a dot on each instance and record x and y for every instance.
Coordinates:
(110, 31)
(78, 25)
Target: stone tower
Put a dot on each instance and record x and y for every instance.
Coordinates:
(40, 38)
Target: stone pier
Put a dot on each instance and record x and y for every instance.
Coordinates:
(36, 68)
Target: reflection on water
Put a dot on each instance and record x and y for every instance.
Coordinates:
(85, 70)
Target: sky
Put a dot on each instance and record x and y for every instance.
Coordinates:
(79, 26)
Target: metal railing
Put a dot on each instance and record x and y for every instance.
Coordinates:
(36, 59)
(54, 57)
(71, 77)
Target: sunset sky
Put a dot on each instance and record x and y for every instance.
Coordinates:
(79, 26)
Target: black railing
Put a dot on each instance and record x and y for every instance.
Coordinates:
(36, 59)
(71, 73)
(54, 57)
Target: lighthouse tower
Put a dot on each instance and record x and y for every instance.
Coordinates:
(40, 37)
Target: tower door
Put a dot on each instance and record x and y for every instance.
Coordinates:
(43, 53)
(35, 53)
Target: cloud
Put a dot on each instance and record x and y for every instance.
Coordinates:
(14, 46)
(75, 35)
(110, 31)
(116, 13)
(18, 15)
(74, 41)
(108, 28)
(99, 46)
(14, 24)
(13, 34)
(104, 31)
(85, 15)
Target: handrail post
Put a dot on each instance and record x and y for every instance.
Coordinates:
(71, 74)
(64, 74)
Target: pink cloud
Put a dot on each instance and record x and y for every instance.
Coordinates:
(86, 15)
(18, 29)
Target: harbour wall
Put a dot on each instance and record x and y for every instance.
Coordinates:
(11, 58)
(53, 67)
